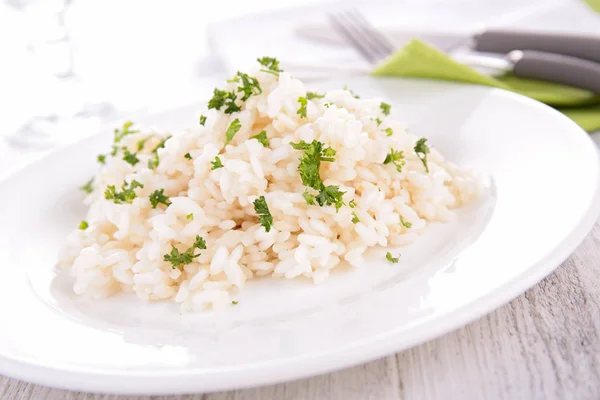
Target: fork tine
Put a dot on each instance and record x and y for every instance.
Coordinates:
(351, 35)
(372, 33)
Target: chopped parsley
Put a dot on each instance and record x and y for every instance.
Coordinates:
(124, 131)
(176, 258)
(153, 160)
(190, 217)
(355, 219)
(271, 64)
(87, 187)
(303, 104)
(385, 108)
(391, 259)
(396, 158)
(262, 138)
(314, 95)
(310, 161)
(202, 120)
(142, 143)
(330, 195)
(216, 164)
(327, 105)
(351, 92)
(405, 223)
(131, 158)
(264, 215)
(83, 225)
(389, 131)
(115, 150)
(126, 195)
(377, 120)
(250, 86)
(221, 98)
(101, 158)
(310, 198)
(352, 203)
(233, 128)
(422, 150)
(235, 303)
(188, 156)
(158, 197)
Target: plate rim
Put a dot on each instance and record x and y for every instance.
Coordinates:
(298, 367)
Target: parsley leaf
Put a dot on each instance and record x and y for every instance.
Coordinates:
(235, 303)
(202, 120)
(327, 105)
(87, 187)
(188, 156)
(222, 98)
(190, 217)
(271, 64)
(250, 86)
(101, 158)
(351, 92)
(262, 138)
(130, 157)
(378, 120)
(391, 259)
(261, 208)
(233, 128)
(355, 219)
(422, 150)
(158, 197)
(310, 161)
(126, 195)
(395, 157)
(310, 198)
(330, 195)
(216, 164)
(83, 225)
(142, 143)
(385, 108)
(314, 95)
(176, 258)
(405, 223)
(303, 104)
(389, 131)
(125, 130)
(153, 161)
(352, 203)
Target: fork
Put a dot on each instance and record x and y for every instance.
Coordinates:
(373, 46)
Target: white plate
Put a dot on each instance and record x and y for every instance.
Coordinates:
(540, 202)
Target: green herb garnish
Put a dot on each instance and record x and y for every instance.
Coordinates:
(87, 187)
(202, 120)
(352, 203)
(391, 259)
(222, 98)
(124, 131)
(176, 258)
(351, 92)
(131, 158)
(310, 161)
(377, 120)
(404, 223)
(355, 219)
(422, 150)
(385, 108)
(187, 156)
(126, 195)
(310, 198)
(330, 195)
(395, 157)
(158, 197)
(389, 131)
(271, 64)
(235, 303)
(303, 104)
(262, 138)
(250, 86)
(233, 128)
(83, 225)
(101, 158)
(314, 95)
(216, 164)
(190, 217)
(264, 216)
(142, 143)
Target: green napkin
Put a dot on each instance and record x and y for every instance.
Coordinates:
(595, 4)
(420, 60)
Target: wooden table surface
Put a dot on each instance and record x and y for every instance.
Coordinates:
(543, 345)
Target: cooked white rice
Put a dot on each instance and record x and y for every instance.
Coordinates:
(123, 249)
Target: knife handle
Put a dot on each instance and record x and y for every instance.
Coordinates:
(557, 68)
(504, 41)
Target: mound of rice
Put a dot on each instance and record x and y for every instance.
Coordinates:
(125, 244)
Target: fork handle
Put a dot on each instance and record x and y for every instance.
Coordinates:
(556, 68)
(504, 41)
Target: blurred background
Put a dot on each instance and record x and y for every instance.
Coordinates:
(70, 66)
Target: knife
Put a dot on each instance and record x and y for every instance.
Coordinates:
(489, 40)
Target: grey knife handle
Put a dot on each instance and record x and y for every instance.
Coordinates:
(556, 68)
(505, 41)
